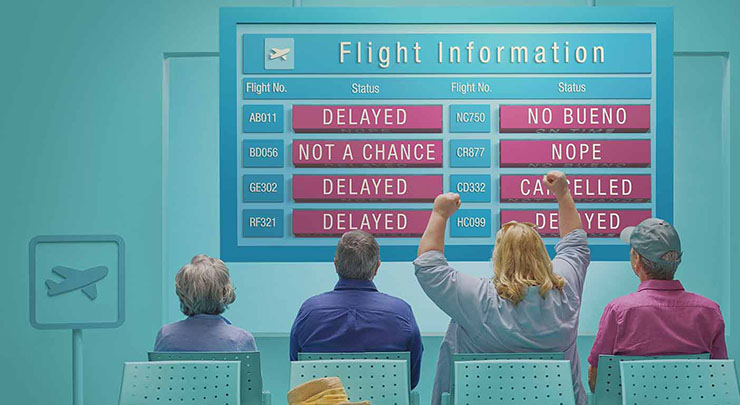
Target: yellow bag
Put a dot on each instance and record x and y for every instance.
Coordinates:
(323, 391)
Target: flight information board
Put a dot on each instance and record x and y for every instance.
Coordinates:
(342, 119)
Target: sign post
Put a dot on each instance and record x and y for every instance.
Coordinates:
(76, 282)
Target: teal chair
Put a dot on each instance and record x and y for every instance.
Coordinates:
(178, 382)
(405, 356)
(679, 382)
(608, 390)
(545, 382)
(498, 356)
(250, 370)
(382, 382)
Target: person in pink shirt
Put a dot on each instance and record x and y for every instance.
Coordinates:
(661, 318)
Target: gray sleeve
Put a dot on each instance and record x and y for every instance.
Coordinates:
(572, 257)
(461, 296)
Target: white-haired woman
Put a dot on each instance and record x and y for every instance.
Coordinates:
(205, 291)
(530, 305)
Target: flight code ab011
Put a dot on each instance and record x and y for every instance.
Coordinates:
(260, 117)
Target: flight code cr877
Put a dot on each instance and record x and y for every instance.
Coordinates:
(470, 151)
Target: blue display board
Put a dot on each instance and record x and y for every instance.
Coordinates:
(314, 101)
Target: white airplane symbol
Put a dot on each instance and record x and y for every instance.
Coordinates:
(76, 280)
(280, 53)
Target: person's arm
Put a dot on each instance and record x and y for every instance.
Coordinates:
(249, 344)
(434, 236)
(295, 346)
(416, 348)
(572, 253)
(592, 378)
(719, 347)
(606, 337)
(159, 345)
(568, 218)
(459, 295)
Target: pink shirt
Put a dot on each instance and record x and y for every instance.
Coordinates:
(660, 319)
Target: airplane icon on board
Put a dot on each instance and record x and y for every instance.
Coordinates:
(279, 53)
(76, 280)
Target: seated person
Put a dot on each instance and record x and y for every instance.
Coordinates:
(660, 318)
(530, 305)
(205, 291)
(355, 317)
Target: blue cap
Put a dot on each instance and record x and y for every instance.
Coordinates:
(652, 239)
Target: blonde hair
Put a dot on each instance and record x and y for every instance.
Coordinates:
(520, 260)
(204, 286)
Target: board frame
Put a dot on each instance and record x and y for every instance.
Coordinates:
(230, 17)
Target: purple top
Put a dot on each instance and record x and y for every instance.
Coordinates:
(660, 319)
(355, 317)
(204, 333)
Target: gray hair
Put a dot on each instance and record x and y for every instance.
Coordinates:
(357, 255)
(204, 286)
(661, 271)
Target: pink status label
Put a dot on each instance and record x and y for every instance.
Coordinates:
(366, 153)
(367, 118)
(385, 223)
(574, 118)
(590, 188)
(366, 188)
(559, 153)
(596, 223)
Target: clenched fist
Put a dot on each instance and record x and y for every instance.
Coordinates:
(446, 204)
(557, 183)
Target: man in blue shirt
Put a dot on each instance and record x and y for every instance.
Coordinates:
(355, 317)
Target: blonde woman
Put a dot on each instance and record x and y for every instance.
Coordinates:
(205, 291)
(530, 305)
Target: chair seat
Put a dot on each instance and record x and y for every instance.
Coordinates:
(679, 382)
(201, 382)
(382, 382)
(250, 370)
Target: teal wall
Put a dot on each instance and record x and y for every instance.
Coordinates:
(81, 151)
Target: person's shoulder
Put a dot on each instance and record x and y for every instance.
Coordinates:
(168, 328)
(702, 301)
(318, 301)
(623, 303)
(244, 334)
(396, 304)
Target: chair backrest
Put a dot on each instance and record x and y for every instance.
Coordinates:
(680, 382)
(405, 356)
(382, 382)
(546, 382)
(608, 390)
(499, 356)
(170, 382)
(250, 370)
